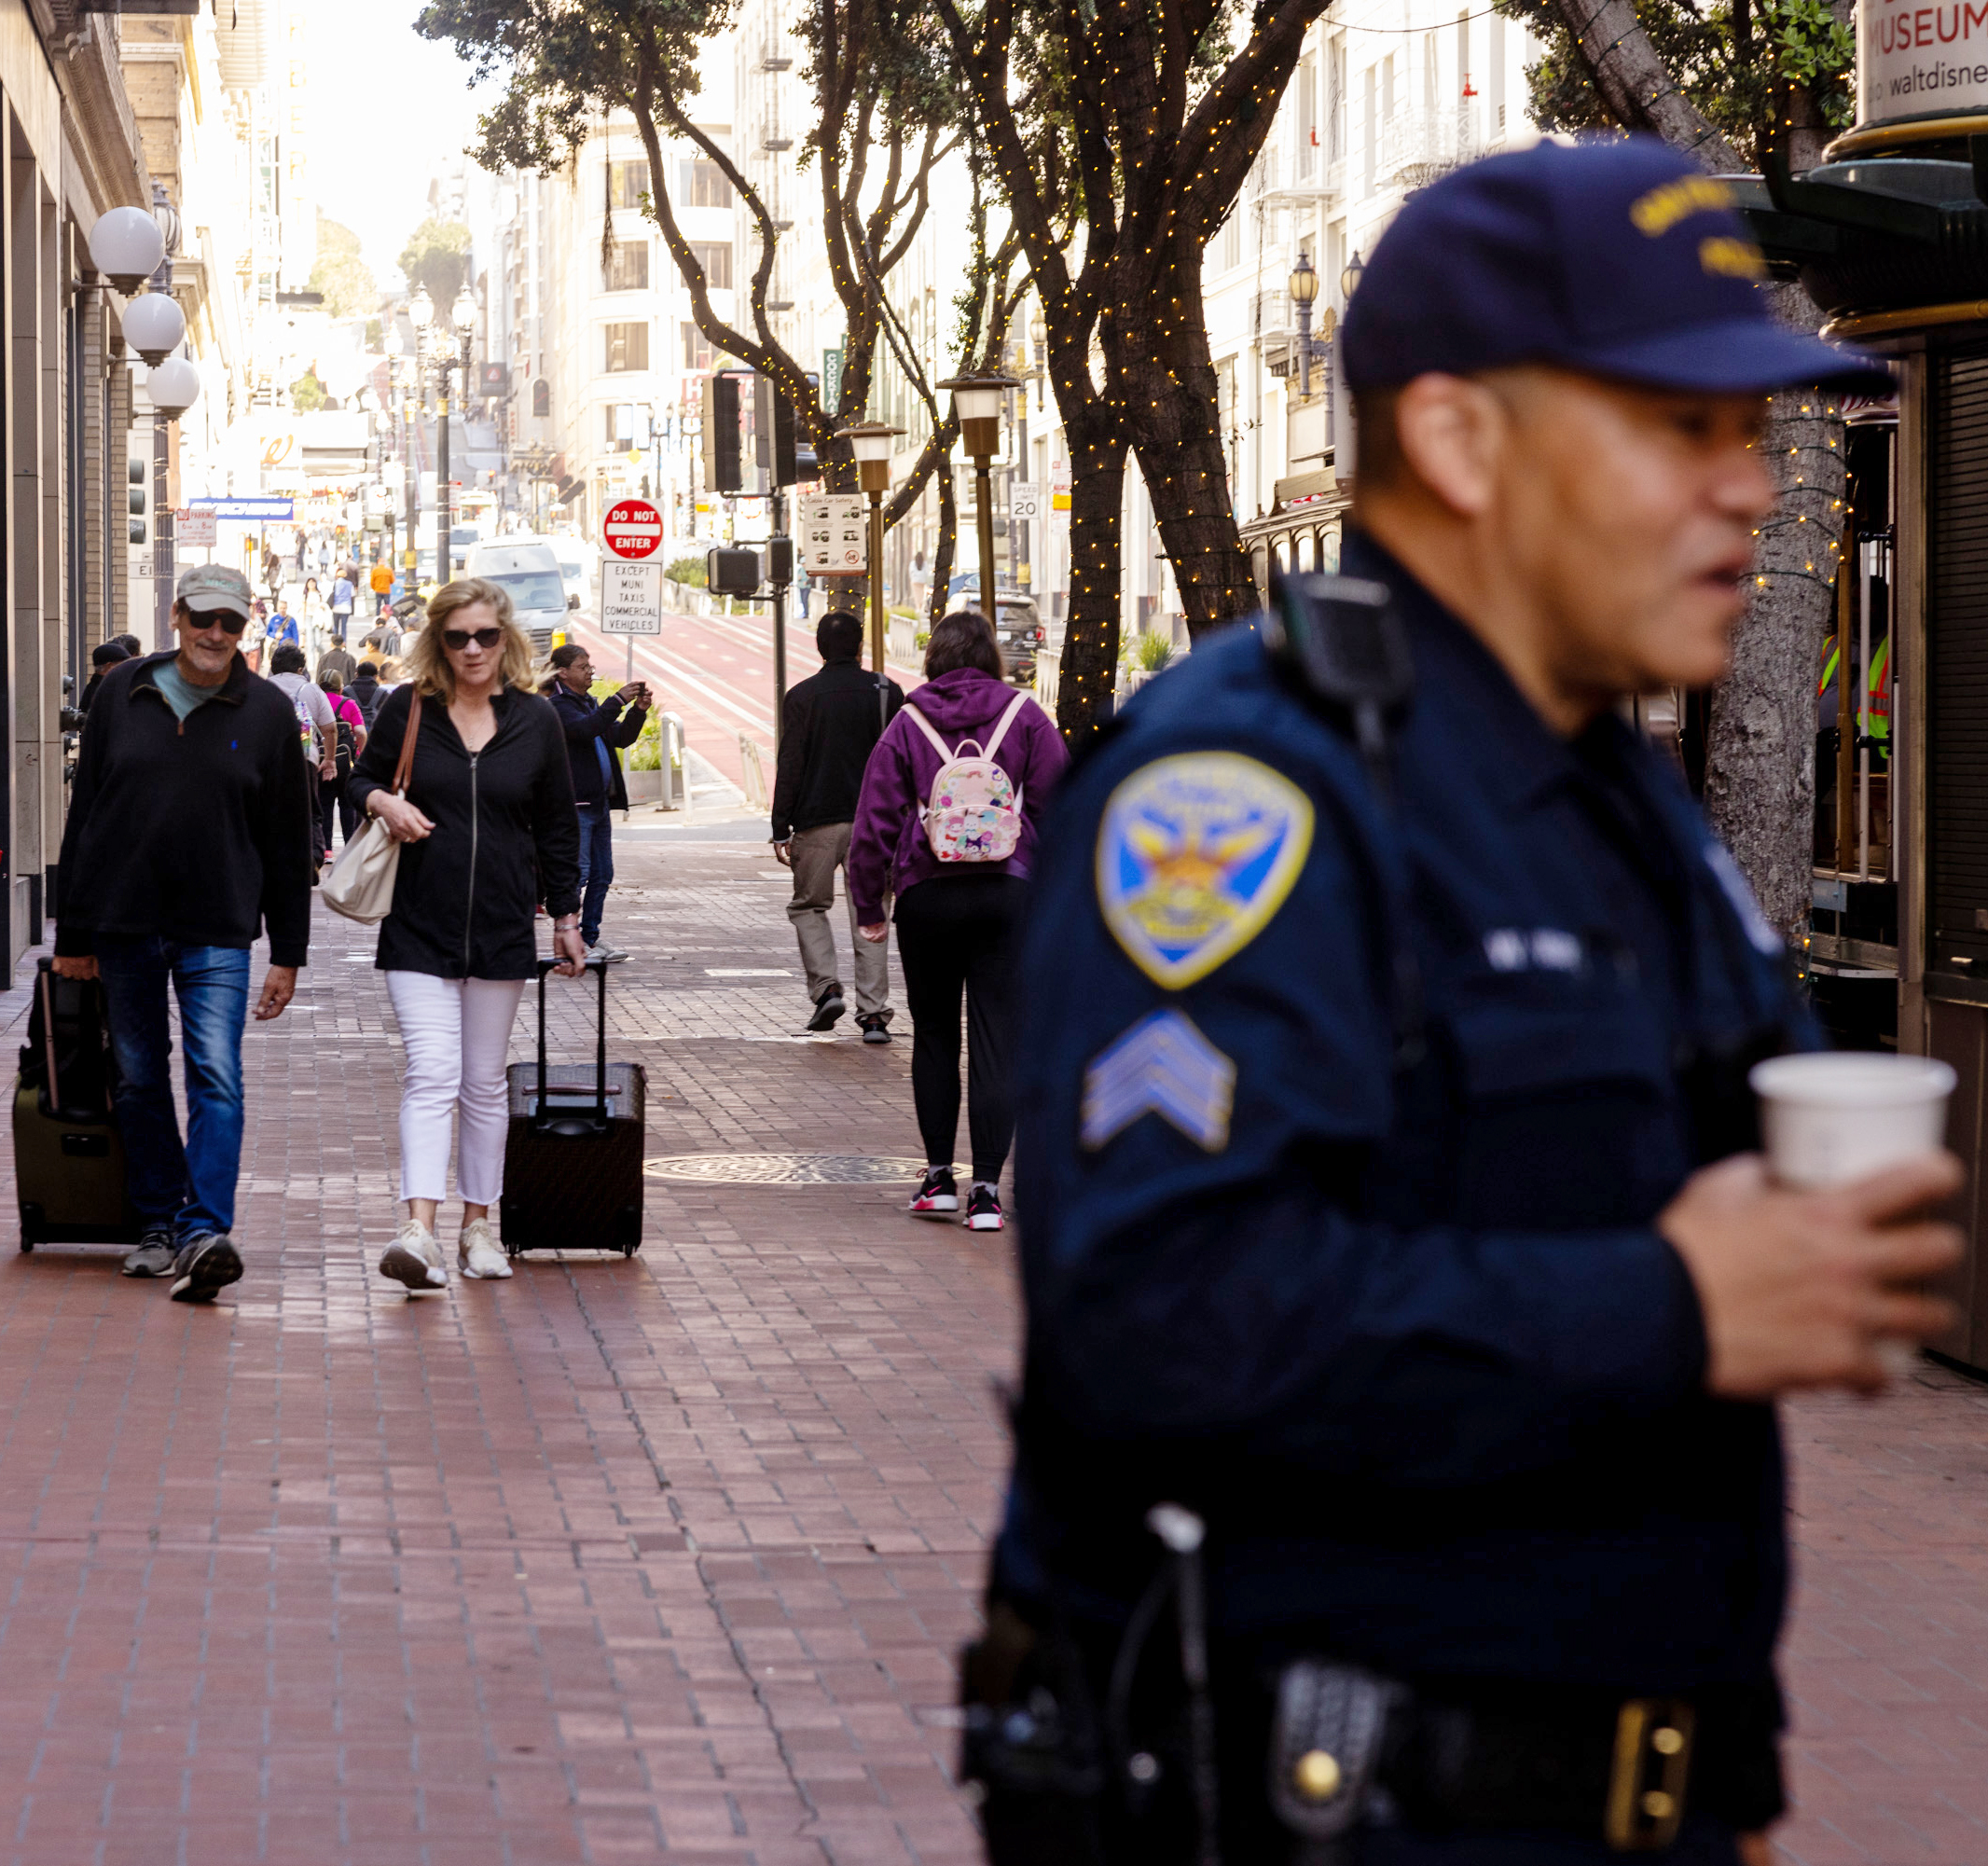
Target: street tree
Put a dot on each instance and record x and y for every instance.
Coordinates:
(1121, 132)
(340, 274)
(1738, 85)
(886, 112)
(436, 258)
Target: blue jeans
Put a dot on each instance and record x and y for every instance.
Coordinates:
(191, 1188)
(597, 866)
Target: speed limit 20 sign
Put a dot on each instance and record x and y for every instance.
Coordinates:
(632, 530)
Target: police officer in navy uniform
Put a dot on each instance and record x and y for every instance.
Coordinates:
(1398, 1478)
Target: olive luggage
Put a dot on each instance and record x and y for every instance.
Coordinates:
(572, 1158)
(68, 1156)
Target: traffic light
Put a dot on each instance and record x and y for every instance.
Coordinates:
(138, 497)
(780, 562)
(722, 471)
(773, 430)
(731, 570)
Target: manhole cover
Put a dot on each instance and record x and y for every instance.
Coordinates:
(785, 1168)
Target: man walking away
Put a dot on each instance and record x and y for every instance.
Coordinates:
(364, 691)
(340, 664)
(317, 732)
(185, 840)
(341, 604)
(828, 725)
(595, 730)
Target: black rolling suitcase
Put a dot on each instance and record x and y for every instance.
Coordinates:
(572, 1158)
(68, 1158)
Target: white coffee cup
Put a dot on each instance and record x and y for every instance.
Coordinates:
(1830, 1117)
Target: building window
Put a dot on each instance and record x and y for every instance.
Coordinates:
(628, 268)
(1335, 98)
(697, 348)
(701, 182)
(717, 261)
(628, 347)
(1307, 120)
(1495, 63)
(1231, 240)
(626, 183)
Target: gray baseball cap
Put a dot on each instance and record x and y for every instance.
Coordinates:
(215, 586)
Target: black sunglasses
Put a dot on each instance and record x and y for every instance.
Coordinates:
(461, 638)
(226, 618)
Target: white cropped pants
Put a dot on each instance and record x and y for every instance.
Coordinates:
(457, 1034)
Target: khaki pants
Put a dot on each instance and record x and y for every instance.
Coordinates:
(817, 853)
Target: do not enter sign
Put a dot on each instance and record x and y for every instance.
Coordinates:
(633, 529)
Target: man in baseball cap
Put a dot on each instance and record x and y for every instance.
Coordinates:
(1398, 1479)
(188, 835)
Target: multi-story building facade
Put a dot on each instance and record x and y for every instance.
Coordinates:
(583, 298)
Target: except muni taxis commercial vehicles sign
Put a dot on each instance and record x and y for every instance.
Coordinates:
(1920, 60)
(632, 531)
(631, 597)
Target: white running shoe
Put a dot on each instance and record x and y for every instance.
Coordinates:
(479, 1253)
(415, 1259)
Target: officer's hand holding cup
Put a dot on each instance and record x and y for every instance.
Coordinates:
(1806, 1260)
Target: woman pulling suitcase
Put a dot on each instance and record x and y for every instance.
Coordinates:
(490, 828)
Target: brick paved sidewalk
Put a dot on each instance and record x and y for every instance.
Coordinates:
(667, 1560)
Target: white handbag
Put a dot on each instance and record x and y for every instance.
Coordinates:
(361, 883)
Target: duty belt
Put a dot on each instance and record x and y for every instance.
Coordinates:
(1350, 1747)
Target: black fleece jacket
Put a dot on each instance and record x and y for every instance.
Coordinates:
(194, 830)
(828, 727)
(506, 837)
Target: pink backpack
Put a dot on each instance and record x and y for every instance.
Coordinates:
(974, 813)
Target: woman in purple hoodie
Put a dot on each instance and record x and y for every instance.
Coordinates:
(957, 918)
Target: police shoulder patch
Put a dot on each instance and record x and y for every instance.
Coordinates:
(1195, 853)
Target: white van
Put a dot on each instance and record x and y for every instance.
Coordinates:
(530, 571)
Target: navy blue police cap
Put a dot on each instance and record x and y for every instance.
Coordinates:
(1619, 258)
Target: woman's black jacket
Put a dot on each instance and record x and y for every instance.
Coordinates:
(506, 837)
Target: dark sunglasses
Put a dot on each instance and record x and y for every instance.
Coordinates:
(226, 618)
(461, 638)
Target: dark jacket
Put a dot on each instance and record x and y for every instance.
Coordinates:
(365, 694)
(336, 660)
(888, 851)
(827, 728)
(585, 719)
(196, 831)
(505, 838)
(1396, 1314)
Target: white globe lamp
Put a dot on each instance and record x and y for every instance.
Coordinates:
(174, 387)
(154, 325)
(127, 246)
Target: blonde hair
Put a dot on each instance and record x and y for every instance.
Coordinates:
(428, 660)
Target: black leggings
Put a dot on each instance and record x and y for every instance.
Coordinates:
(952, 931)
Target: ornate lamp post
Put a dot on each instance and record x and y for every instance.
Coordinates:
(870, 441)
(1304, 292)
(977, 400)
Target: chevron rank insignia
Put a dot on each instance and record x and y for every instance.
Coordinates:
(1195, 853)
(1164, 1066)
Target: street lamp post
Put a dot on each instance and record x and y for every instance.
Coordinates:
(977, 401)
(870, 441)
(421, 314)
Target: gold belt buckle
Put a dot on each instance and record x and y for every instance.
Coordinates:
(1646, 1779)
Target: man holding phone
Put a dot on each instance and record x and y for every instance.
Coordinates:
(187, 835)
(597, 731)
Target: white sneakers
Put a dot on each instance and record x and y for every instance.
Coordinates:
(479, 1253)
(415, 1259)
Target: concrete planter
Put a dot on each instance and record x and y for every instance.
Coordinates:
(644, 787)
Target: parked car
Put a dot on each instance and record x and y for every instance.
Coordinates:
(528, 570)
(1017, 624)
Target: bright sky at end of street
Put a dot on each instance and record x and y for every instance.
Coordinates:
(388, 107)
